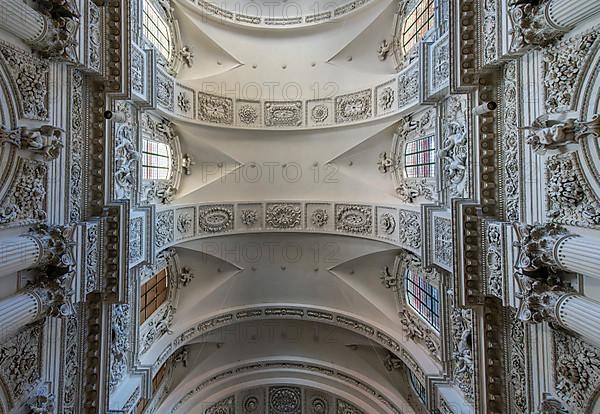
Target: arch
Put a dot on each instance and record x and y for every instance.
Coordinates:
(395, 342)
(357, 390)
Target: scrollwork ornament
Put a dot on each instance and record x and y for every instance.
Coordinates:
(249, 217)
(186, 276)
(319, 217)
(215, 219)
(388, 279)
(283, 216)
(387, 223)
(530, 25)
(354, 219)
(462, 350)
(576, 371)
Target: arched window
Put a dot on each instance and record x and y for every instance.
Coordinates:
(417, 386)
(153, 294)
(418, 22)
(423, 297)
(156, 29)
(419, 158)
(156, 160)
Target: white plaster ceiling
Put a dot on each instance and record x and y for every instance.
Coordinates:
(328, 272)
(287, 63)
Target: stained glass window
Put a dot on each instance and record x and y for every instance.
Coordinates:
(156, 29)
(419, 158)
(156, 162)
(423, 297)
(418, 22)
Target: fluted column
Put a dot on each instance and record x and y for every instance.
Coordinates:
(19, 253)
(579, 254)
(22, 21)
(51, 30)
(48, 248)
(545, 248)
(568, 13)
(581, 315)
(21, 309)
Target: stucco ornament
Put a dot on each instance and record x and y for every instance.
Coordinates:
(462, 350)
(186, 276)
(386, 163)
(558, 135)
(551, 405)
(187, 56)
(536, 247)
(319, 217)
(46, 141)
(42, 404)
(538, 297)
(531, 27)
(388, 279)
(283, 216)
(126, 161)
(60, 40)
(384, 49)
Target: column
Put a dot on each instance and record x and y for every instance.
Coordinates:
(21, 309)
(47, 247)
(579, 254)
(22, 21)
(52, 30)
(580, 315)
(550, 247)
(541, 23)
(19, 253)
(568, 13)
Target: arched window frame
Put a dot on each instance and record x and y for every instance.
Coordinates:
(172, 60)
(426, 334)
(417, 386)
(422, 297)
(412, 129)
(406, 53)
(162, 131)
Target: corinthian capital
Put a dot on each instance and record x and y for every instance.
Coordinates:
(56, 243)
(62, 26)
(531, 27)
(539, 298)
(536, 248)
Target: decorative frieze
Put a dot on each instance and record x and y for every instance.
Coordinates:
(215, 219)
(353, 106)
(409, 229)
(283, 216)
(213, 108)
(354, 218)
(443, 244)
(511, 144)
(283, 113)
(30, 77)
(164, 228)
(576, 371)
(462, 350)
(570, 199)
(563, 63)
(25, 202)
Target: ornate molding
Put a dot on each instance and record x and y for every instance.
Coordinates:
(531, 26)
(576, 371)
(536, 248)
